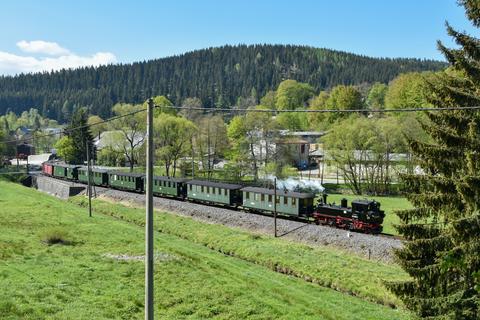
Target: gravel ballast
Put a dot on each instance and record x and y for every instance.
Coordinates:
(375, 247)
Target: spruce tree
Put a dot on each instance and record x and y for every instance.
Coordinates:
(80, 136)
(441, 252)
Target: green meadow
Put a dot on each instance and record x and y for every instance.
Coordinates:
(57, 263)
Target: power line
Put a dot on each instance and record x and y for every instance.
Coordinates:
(323, 110)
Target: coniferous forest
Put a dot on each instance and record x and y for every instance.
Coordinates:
(217, 76)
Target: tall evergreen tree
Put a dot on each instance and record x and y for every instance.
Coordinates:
(81, 136)
(442, 251)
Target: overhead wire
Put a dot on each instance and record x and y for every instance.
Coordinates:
(233, 110)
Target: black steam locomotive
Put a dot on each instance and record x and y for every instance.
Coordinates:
(363, 215)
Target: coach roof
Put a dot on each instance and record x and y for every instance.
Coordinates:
(280, 192)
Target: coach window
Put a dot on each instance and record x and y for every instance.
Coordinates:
(208, 189)
(225, 191)
(201, 188)
(247, 195)
(294, 201)
(262, 197)
(285, 200)
(269, 198)
(277, 200)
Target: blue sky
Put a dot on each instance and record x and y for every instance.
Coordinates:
(72, 33)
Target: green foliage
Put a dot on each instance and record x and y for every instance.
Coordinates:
(110, 156)
(376, 96)
(408, 90)
(173, 137)
(66, 149)
(268, 100)
(80, 134)
(251, 131)
(132, 129)
(441, 252)
(210, 141)
(97, 126)
(291, 95)
(294, 121)
(161, 102)
(3, 146)
(191, 113)
(343, 98)
(210, 74)
(361, 148)
(316, 121)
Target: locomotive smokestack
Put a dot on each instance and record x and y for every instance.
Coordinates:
(324, 195)
(344, 203)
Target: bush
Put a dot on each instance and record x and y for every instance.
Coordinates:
(56, 236)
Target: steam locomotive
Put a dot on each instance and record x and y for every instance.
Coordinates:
(364, 215)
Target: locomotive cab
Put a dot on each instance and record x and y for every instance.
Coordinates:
(367, 211)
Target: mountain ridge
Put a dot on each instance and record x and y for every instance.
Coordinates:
(216, 75)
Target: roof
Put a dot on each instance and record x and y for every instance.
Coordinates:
(214, 184)
(291, 141)
(363, 201)
(64, 165)
(304, 133)
(317, 153)
(280, 192)
(127, 174)
(176, 180)
(94, 169)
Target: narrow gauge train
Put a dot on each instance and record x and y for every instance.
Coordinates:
(363, 215)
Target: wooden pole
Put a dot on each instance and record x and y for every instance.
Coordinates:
(275, 205)
(89, 180)
(323, 168)
(149, 217)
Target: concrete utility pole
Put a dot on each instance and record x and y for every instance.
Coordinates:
(275, 205)
(89, 180)
(149, 217)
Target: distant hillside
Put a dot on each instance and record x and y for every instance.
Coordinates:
(218, 76)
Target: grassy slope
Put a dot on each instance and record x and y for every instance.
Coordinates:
(326, 266)
(389, 204)
(77, 282)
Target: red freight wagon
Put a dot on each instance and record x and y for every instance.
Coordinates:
(47, 168)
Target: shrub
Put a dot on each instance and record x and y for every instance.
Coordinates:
(56, 236)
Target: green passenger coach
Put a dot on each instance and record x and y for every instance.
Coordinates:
(214, 192)
(99, 176)
(289, 203)
(126, 181)
(168, 186)
(65, 171)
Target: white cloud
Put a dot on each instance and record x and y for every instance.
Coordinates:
(11, 64)
(39, 46)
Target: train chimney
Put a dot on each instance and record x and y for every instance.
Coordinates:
(324, 195)
(344, 203)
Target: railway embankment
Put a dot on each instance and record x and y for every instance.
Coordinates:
(375, 247)
(58, 188)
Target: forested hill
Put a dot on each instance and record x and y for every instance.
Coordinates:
(218, 76)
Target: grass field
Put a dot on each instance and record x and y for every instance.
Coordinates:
(389, 204)
(76, 280)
